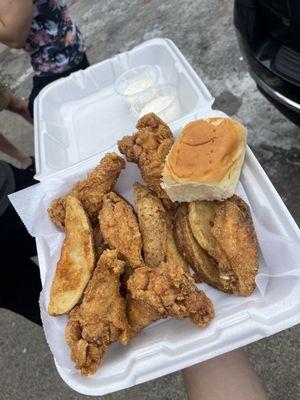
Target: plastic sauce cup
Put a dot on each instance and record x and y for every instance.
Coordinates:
(138, 86)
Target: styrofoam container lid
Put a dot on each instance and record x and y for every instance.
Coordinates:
(82, 115)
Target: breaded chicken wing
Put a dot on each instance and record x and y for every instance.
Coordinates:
(156, 225)
(153, 224)
(120, 229)
(90, 191)
(100, 319)
(100, 245)
(139, 315)
(148, 148)
(234, 231)
(168, 295)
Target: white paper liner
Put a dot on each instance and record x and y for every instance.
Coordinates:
(32, 203)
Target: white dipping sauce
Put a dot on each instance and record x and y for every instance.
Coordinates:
(166, 107)
(158, 104)
(138, 86)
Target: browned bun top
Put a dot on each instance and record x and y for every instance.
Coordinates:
(206, 150)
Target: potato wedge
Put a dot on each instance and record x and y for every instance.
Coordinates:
(224, 230)
(173, 256)
(203, 265)
(201, 216)
(77, 260)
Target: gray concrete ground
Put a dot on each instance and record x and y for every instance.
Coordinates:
(203, 30)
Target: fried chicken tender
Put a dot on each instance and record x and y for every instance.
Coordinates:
(148, 148)
(153, 224)
(77, 261)
(100, 319)
(99, 241)
(234, 231)
(169, 295)
(120, 229)
(156, 225)
(90, 191)
(139, 315)
(171, 291)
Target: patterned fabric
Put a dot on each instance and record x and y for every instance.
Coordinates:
(55, 44)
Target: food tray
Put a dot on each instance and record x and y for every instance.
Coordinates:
(170, 345)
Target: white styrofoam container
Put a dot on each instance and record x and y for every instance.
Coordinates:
(82, 115)
(171, 345)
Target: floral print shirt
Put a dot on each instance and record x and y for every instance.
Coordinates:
(55, 44)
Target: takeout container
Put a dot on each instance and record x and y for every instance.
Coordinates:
(77, 120)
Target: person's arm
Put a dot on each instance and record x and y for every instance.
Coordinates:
(8, 148)
(15, 22)
(20, 107)
(229, 376)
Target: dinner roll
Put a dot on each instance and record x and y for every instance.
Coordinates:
(205, 162)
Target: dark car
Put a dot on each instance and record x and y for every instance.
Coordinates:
(268, 32)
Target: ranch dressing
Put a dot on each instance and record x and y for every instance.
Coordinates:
(138, 86)
(165, 106)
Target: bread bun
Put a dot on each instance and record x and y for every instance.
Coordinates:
(205, 162)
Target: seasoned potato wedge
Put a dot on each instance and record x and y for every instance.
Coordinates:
(77, 260)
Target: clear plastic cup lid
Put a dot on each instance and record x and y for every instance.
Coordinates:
(137, 80)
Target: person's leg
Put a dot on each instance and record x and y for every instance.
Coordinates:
(20, 283)
(13, 234)
(23, 177)
(229, 376)
(20, 287)
(15, 240)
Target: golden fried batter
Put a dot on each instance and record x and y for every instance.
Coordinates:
(156, 225)
(178, 296)
(120, 229)
(218, 240)
(165, 289)
(153, 225)
(90, 191)
(139, 314)
(77, 260)
(148, 148)
(100, 319)
(233, 229)
(99, 241)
